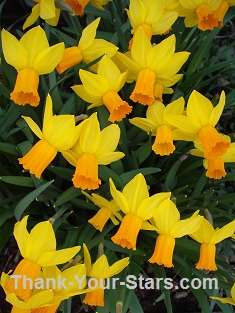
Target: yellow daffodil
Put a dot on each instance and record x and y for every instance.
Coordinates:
(151, 16)
(38, 249)
(199, 124)
(79, 5)
(206, 14)
(87, 50)
(153, 68)
(52, 139)
(74, 283)
(156, 123)
(208, 237)
(44, 9)
(167, 221)
(98, 272)
(34, 57)
(215, 167)
(108, 210)
(138, 207)
(94, 147)
(36, 300)
(227, 300)
(103, 87)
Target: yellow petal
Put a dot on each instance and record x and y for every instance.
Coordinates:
(9, 47)
(145, 124)
(119, 198)
(136, 13)
(224, 300)
(98, 48)
(233, 292)
(71, 157)
(33, 126)
(37, 300)
(186, 227)
(50, 258)
(108, 158)
(88, 34)
(47, 9)
(164, 23)
(94, 84)
(199, 108)
(205, 233)
(224, 232)
(183, 123)
(54, 20)
(88, 97)
(109, 70)
(90, 135)
(140, 48)
(110, 136)
(87, 259)
(155, 113)
(34, 41)
(149, 205)
(46, 60)
(135, 192)
(97, 199)
(217, 111)
(32, 18)
(129, 63)
(154, 11)
(175, 107)
(118, 266)
(21, 235)
(166, 216)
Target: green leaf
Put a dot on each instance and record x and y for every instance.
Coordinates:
(18, 180)
(26, 201)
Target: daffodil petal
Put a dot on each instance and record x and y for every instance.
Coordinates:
(217, 111)
(46, 61)
(164, 23)
(90, 135)
(33, 126)
(21, 235)
(9, 47)
(47, 9)
(140, 47)
(97, 83)
(145, 124)
(224, 300)
(118, 266)
(185, 227)
(224, 232)
(34, 302)
(108, 69)
(110, 136)
(50, 258)
(205, 233)
(119, 198)
(87, 259)
(88, 34)
(32, 18)
(136, 13)
(110, 157)
(176, 107)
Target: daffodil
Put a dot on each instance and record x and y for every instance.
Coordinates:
(151, 16)
(208, 237)
(230, 300)
(156, 124)
(93, 147)
(153, 68)
(59, 133)
(74, 279)
(199, 124)
(138, 207)
(87, 50)
(167, 221)
(79, 5)
(34, 57)
(103, 87)
(215, 167)
(36, 300)
(207, 14)
(38, 249)
(98, 272)
(44, 9)
(108, 210)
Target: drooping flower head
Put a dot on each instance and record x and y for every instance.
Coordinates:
(99, 271)
(87, 50)
(151, 16)
(79, 5)
(208, 237)
(93, 147)
(38, 249)
(103, 87)
(215, 167)
(153, 68)
(34, 57)
(167, 221)
(156, 123)
(138, 207)
(108, 210)
(199, 124)
(59, 133)
(207, 14)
